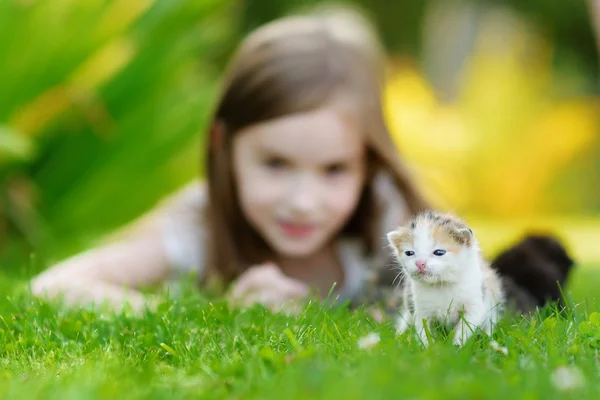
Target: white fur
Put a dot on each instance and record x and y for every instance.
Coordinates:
(457, 283)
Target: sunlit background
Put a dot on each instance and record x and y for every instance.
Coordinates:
(103, 105)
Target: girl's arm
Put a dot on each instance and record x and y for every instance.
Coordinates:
(148, 253)
(108, 273)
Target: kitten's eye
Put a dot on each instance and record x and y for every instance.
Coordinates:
(439, 252)
(409, 253)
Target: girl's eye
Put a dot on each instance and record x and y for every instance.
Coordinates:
(275, 163)
(409, 253)
(439, 252)
(335, 169)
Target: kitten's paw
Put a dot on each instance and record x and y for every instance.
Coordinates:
(487, 328)
(401, 326)
(461, 337)
(459, 341)
(420, 326)
(422, 334)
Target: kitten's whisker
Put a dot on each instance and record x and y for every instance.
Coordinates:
(401, 274)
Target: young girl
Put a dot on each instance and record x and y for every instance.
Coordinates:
(302, 180)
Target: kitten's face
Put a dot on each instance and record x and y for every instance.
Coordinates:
(433, 250)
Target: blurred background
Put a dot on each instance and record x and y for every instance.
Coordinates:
(103, 106)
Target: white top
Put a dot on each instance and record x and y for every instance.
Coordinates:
(184, 234)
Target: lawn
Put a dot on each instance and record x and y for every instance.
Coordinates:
(196, 348)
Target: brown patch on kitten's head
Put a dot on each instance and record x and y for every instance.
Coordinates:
(446, 240)
(446, 228)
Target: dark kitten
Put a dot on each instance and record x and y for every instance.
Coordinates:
(534, 271)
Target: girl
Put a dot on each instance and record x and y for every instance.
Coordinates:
(302, 181)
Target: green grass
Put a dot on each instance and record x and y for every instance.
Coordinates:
(192, 347)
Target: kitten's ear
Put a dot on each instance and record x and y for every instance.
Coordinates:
(466, 236)
(396, 237)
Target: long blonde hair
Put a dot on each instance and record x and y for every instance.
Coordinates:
(296, 64)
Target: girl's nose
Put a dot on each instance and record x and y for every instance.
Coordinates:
(304, 195)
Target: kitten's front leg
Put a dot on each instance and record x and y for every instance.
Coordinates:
(467, 324)
(404, 320)
(420, 322)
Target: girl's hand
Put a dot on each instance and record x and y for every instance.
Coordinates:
(267, 285)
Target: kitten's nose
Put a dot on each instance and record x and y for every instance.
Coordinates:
(421, 264)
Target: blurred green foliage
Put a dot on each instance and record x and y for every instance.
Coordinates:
(104, 102)
(102, 108)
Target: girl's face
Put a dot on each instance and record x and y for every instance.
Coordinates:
(299, 178)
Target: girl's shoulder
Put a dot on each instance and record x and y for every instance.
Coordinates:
(362, 271)
(183, 228)
(392, 212)
(393, 209)
(192, 196)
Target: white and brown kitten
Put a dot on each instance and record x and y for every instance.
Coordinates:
(447, 278)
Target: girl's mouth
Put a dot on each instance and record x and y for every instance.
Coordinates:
(295, 230)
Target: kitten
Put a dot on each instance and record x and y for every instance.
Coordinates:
(447, 279)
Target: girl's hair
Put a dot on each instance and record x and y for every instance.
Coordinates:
(292, 65)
